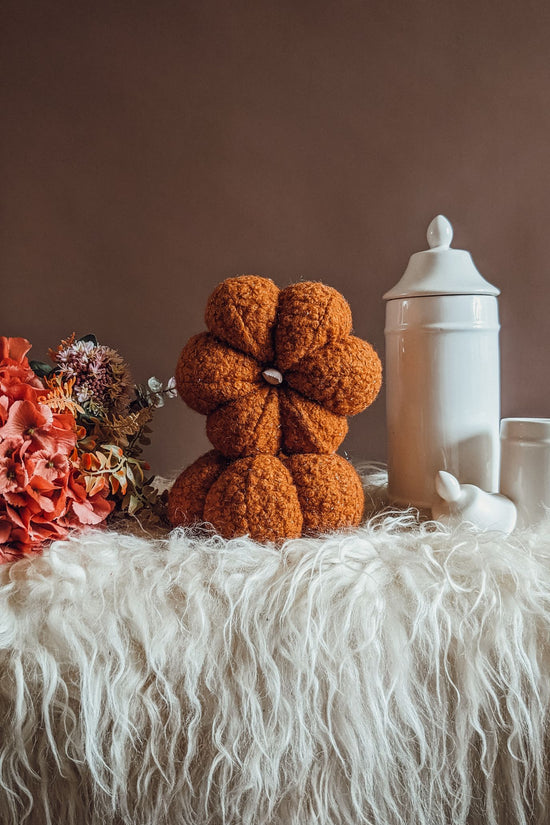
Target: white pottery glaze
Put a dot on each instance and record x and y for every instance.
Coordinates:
(442, 373)
(525, 466)
(456, 503)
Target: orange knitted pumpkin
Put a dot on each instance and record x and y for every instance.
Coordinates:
(278, 369)
(267, 497)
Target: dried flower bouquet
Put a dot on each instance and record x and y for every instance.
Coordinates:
(71, 438)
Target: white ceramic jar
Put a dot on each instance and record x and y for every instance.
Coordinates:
(442, 373)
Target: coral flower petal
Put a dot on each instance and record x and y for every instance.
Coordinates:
(5, 531)
(20, 518)
(25, 418)
(91, 512)
(45, 503)
(13, 348)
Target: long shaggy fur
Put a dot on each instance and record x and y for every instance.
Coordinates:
(384, 676)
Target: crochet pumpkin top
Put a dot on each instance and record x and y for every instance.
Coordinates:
(278, 370)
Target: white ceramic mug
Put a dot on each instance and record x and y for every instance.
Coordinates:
(525, 466)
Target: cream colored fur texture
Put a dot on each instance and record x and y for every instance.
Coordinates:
(396, 674)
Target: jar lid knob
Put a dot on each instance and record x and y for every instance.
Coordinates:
(440, 233)
(441, 269)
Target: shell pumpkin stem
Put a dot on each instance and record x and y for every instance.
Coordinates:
(273, 376)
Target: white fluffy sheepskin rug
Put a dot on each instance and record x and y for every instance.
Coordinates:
(396, 674)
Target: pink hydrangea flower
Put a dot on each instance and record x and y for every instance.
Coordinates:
(17, 380)
(41, 494)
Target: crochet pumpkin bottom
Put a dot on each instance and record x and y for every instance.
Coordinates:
(269, 498)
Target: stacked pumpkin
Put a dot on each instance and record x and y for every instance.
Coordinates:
(277, 374)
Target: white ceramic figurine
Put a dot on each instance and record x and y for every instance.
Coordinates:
(456, 503)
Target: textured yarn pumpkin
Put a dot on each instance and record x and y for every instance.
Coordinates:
(266, 497)
(278, 370)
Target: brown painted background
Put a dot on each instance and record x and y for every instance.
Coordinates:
(151, 149)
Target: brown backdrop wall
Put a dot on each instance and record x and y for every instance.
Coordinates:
(151, 149)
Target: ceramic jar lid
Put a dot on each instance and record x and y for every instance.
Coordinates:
(441, 270)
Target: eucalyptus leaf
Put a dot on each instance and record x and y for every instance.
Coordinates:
(154, 384)
(41, 369)
(134, 505)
